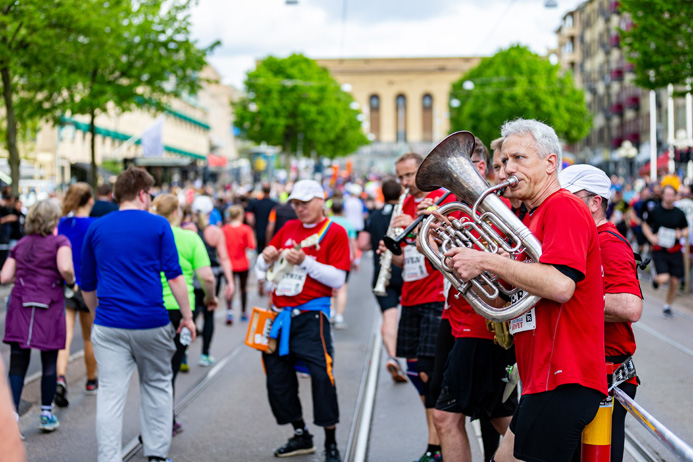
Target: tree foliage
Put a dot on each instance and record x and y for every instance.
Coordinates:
(90, 56)
(296, 104)
(660, 41)
(518, 83)
(35, 52)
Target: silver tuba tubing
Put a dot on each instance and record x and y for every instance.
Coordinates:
(449, 166)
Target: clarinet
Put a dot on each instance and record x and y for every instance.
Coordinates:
(386, 258)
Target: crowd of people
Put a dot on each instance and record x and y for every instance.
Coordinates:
(137, 264)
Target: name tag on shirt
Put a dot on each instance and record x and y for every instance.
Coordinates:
(527, 321)
(414, 265)
(292, 284)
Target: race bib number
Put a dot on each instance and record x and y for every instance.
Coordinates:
(666, 237)
(527, 321)
(292, 284)
(414, 265)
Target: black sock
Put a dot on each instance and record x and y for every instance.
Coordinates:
(330, 436)
(433, 448)
(299, 425)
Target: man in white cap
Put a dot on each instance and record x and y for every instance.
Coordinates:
(318, 257)
(623, 298)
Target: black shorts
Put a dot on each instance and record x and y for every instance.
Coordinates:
(668, 263)
(390, 299)
(548, 426)
(418, 330)
(473, 381)
(77, 302)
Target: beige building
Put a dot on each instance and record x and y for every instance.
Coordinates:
(193, 128)
(404, 101)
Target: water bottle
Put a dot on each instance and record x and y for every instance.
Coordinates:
(185, 336)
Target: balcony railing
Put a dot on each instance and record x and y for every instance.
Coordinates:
(617, 109)
(633, 102)
(615, 40)
(617, 74)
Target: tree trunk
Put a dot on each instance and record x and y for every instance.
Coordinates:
(93, 173)
(11, 136)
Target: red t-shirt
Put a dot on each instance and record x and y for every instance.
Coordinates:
(425, 284)
(464, 321)
(620, 277)
(238, 239)
(567, 343)
(333, 250)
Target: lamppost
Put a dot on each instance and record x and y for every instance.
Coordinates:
(628, 151)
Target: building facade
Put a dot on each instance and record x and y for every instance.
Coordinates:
(589, 45)
(404, 101)
(197, 137)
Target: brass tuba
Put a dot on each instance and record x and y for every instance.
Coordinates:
(449, 166)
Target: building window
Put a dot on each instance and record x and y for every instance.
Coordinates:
(374, 110)
(569, 21)
(427, 116)
(401, 118)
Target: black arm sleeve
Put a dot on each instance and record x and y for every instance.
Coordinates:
(572, 273)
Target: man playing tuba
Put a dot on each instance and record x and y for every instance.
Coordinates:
(560, 342)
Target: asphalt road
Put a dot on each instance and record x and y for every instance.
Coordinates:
(230, 419)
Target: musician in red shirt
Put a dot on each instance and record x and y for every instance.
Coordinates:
(623, 298)
(469, 369)
(318, 253)
(422, 300)
(559, 344)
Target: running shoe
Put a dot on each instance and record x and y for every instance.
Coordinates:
(49, 423)
(61, 393)
(19, 425)
(666, 311)
(207, 360)
(398, 375)
(159, 459)
(244, 317)
(229, 319)
(184, 367)
(300, 443)
(92, 387)
(177, 427)
(429, 456)
(339, 322)
(332, 454)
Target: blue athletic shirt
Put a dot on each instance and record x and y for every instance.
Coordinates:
(74, 228)
(123, 256)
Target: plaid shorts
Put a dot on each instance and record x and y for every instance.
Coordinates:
(418, 330)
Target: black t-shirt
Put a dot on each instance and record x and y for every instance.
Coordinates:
(283, 213)
(377, 224)
(669, 218)
(17, 227)
(102, 208)
(261, 209)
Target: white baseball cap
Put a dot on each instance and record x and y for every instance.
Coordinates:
(203, 205)
(585, 177)
(306, 190)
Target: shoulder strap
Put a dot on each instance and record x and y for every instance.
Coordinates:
(638, 258)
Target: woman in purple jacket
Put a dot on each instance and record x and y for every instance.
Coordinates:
(39, 265)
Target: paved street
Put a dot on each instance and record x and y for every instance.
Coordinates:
(230, 418)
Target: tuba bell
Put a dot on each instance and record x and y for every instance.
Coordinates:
(449, 166)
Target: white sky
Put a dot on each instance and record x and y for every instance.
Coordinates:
(252, 29)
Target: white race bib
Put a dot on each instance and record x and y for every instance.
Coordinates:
(414, 265)
(666, 237)
(292, 284)
(527, 321)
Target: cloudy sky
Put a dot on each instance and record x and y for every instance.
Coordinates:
(252, 29)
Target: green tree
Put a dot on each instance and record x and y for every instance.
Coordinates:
(660, 41)
(134, 54)
(296, 104)
(35, 37)
(518, 83)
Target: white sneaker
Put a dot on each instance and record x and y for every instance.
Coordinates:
(339, 322)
